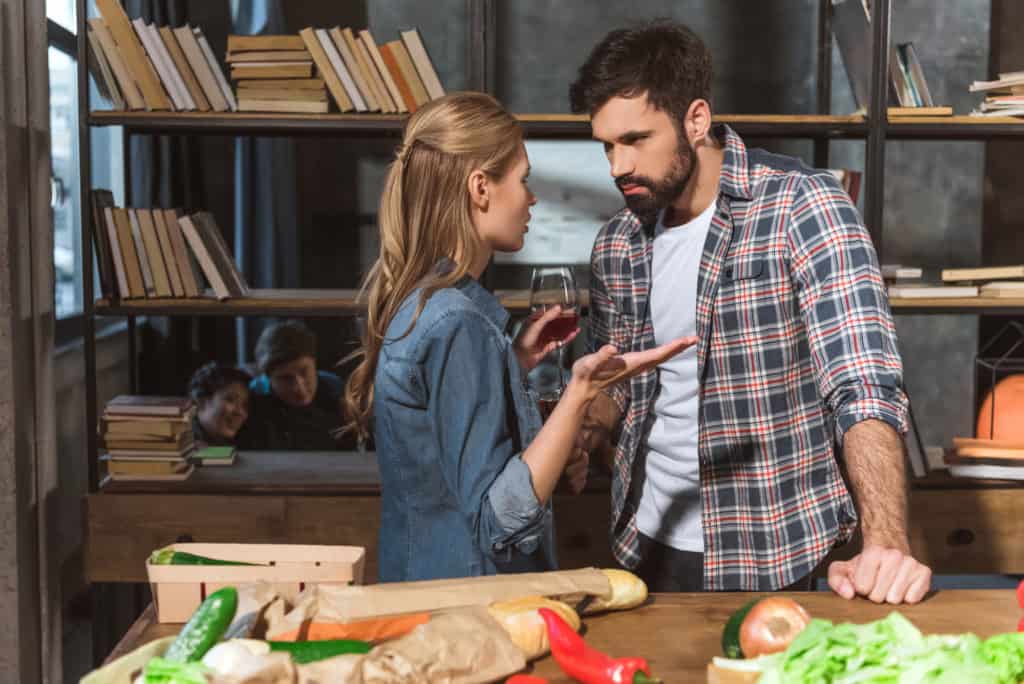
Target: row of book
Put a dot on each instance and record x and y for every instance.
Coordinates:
(396, 77)
(148, 438)
(145, 67)
(991, 281)
(161, 253)
(1003, 96)
(140, 66)
(909, 94)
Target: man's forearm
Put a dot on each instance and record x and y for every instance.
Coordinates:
(599, 426)
(873, 452)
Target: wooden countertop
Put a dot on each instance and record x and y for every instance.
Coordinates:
(680, 633)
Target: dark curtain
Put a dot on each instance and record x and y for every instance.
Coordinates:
(266, 235)
(165, 171)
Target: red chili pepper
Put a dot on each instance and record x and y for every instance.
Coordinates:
(1020, 625)
(588, 665)
(1020, 594)
(525, 679)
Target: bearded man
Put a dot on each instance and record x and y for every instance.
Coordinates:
(734, 461)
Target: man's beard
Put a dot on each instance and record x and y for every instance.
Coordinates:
(661, 193)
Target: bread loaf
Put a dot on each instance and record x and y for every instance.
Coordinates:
(723, 675)
(525, 626)
(628, 591)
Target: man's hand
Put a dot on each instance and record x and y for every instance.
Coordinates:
(574, 477)
(882, 574)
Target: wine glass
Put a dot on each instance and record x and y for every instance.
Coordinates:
(554, 286)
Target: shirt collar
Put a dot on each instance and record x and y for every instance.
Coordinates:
(482, 299)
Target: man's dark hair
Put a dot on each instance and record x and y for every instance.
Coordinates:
(282, 343)
(663, 58)
(212, 377)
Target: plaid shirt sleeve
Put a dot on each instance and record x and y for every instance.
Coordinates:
(845, 308)
(606, 324)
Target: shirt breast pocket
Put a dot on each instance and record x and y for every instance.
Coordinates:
(743, 270)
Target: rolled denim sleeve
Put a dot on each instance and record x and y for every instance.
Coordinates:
(846, 311)
(473, 416)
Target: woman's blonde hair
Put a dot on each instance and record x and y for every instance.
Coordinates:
(425, 217)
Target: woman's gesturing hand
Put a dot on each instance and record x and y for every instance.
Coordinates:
(606, 367)
(531, 345)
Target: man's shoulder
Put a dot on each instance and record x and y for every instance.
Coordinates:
(773, 173)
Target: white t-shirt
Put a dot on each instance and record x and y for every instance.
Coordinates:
(669, 509)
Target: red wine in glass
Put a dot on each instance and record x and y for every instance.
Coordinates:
(561, 327)
(546, 405)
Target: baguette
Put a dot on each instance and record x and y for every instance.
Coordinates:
(525, 626)
(726, 675)
(628, 591)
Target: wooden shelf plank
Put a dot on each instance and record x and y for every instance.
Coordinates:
(316, 303)
(955, 127)
(344, 302)
(535, 124)
(560, 125)
(955, 305)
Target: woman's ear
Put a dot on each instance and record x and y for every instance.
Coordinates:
(479, 189)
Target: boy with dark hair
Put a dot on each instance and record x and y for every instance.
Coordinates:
(293, 405)
(726, 474)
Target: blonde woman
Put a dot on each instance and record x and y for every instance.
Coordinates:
(467, 470)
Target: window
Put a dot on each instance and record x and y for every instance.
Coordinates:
(106, 165)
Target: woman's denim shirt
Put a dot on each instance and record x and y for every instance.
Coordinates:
(452, 417)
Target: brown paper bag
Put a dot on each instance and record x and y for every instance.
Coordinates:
(462, 646)
(327, 603)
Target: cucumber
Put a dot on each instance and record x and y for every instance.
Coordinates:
(168, 556)
(311, 651)
(731, 633)
(206, 626)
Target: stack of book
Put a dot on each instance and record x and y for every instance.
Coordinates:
(907, 282)
(148, 438)
(361, 76)
(991, 281)
(153, 253)
(1003, 96)
(986, 458)
(275, 74)
(152, 68)
(216, 455)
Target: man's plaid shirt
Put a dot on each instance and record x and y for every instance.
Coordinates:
(797, 344)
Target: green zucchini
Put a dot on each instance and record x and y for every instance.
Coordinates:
(731, 633)
(206, 626)
(168, 556)
(311, 651)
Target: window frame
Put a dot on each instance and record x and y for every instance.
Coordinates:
(57, 36)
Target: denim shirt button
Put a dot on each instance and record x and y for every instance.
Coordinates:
(498, 546)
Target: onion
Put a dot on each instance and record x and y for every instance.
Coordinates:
(771, 625)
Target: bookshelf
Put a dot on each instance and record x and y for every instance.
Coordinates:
(875, 129)
(280, 303)
(850, 127)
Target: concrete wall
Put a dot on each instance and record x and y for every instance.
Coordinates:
(112, 371)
